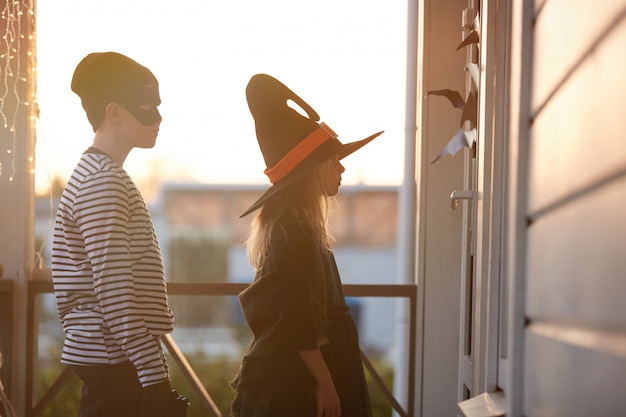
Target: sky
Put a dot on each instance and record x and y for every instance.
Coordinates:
(345, 58)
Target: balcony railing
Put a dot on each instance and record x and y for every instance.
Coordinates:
(43, 286)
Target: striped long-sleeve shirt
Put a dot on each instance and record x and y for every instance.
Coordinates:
(108, 272)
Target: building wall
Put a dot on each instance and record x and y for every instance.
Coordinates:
(363, 222)
(575, 340)
(360, 215)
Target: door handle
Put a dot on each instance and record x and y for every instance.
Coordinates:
(457, 195)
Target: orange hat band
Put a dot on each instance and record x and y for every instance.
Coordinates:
(301, 151)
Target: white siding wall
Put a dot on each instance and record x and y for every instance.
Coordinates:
(575, 342)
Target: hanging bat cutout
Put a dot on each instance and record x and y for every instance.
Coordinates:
(469, 116)
(474, 74)
(453, 96)
(462, 138)
(472, 38)
(470, 111)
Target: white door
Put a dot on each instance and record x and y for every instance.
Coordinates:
(483, 334)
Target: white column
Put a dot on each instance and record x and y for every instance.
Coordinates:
(407, 213)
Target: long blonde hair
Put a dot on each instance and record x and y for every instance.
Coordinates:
(306, 200)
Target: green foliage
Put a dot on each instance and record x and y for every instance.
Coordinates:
(215, 373)
(198, 257)
(381, 407)
(66, 401)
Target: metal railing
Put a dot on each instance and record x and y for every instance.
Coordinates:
(38, 287)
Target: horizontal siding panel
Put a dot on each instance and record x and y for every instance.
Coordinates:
(564, 31)
(579, 137)
(570, 372)
(576, 260)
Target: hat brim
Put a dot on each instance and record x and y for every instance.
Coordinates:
(346, 149)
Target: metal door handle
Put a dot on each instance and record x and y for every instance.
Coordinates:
(457, 195)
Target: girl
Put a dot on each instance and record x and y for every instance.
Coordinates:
(304, 359)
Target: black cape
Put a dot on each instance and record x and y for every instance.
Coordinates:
(296, 302)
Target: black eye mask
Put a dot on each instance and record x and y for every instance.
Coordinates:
(142, 103)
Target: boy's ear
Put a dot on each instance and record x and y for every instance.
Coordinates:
(112, 111)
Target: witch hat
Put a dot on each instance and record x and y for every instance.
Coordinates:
(292, 144)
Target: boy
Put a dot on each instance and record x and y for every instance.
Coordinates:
(106, 264)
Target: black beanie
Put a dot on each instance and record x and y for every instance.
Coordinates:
(105, 77)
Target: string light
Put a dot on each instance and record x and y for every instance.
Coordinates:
(12, 66)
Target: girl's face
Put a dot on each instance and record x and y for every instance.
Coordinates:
(331, 172)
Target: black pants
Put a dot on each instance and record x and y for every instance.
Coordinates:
(109, 390)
